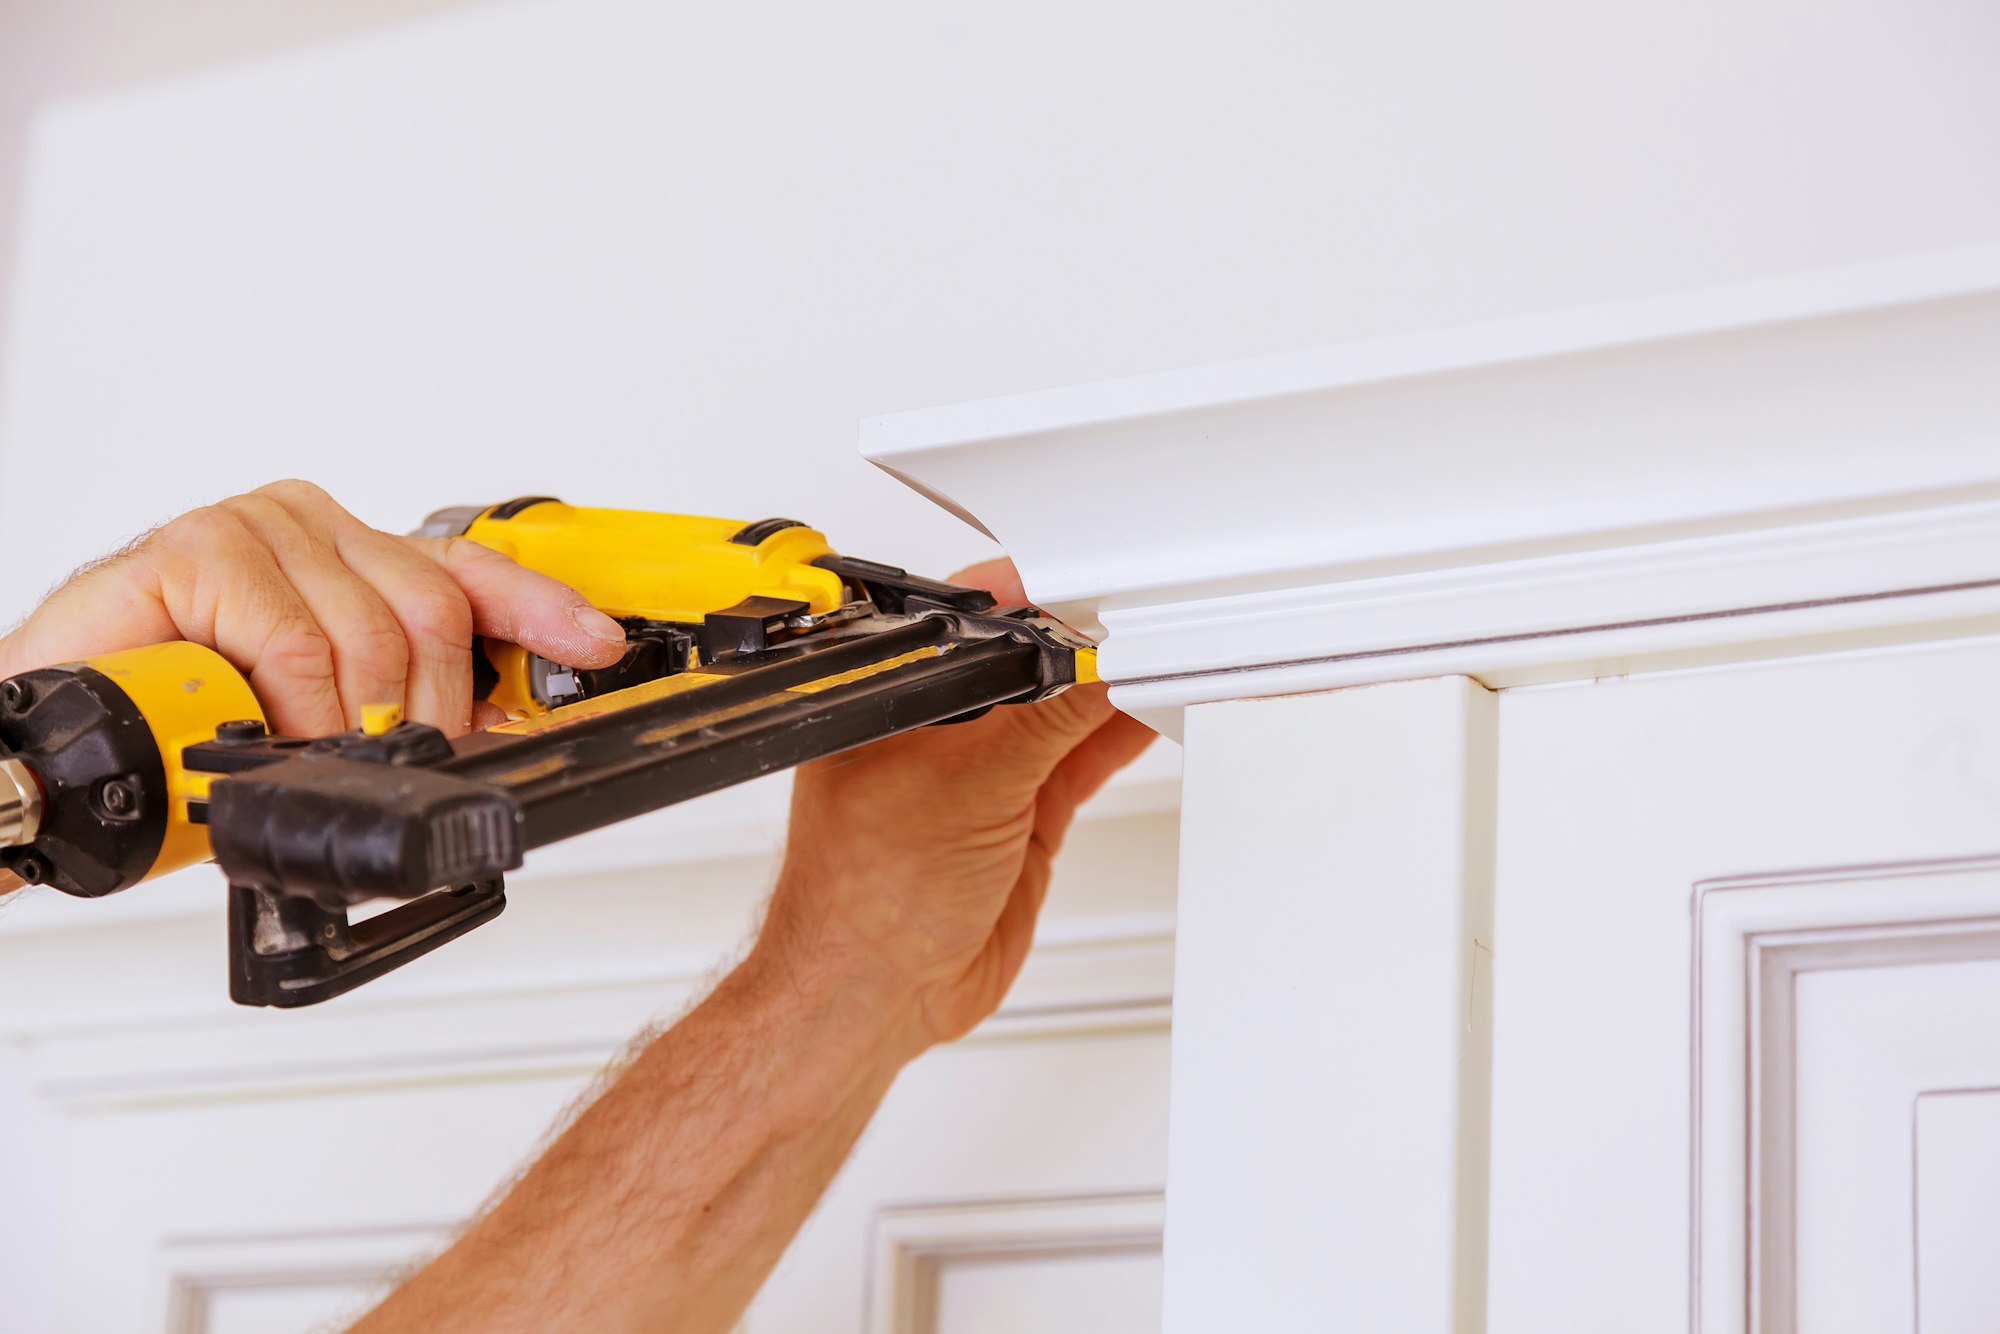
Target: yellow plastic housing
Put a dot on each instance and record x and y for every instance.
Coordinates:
(663, 567)
(184, 692)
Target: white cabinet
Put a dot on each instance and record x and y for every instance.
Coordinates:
(1590, 884)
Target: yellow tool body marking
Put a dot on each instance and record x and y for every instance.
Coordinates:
(528, 773)
(673, 730)
(381, 719)
(872, 669)
(612, 703)
(184, 692)
(645, 692)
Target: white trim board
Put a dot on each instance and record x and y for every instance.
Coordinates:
(1899, 280)
(1116, 980)
(193, 1272)
(1738, 458)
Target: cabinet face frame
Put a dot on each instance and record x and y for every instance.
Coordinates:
(1331, 1084)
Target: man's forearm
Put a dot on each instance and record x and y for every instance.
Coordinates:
(669, 1199)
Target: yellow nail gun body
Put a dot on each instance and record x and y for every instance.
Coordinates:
(751, 648)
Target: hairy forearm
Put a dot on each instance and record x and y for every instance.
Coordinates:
(670, 1198)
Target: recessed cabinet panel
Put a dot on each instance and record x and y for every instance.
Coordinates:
(1104, 1294)
(1871, 1044)
(276, 1310)
(1958, 1209)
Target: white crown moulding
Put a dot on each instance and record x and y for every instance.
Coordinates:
(1793, 464)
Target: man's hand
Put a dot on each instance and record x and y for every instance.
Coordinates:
(912, 878)
(323, 613)
(922, 861)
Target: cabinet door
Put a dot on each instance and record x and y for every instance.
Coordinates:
(1746, 1060)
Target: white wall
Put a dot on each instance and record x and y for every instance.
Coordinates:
(55, 50)
(669, 254)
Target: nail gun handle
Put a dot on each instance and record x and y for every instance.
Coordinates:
(286, 951)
